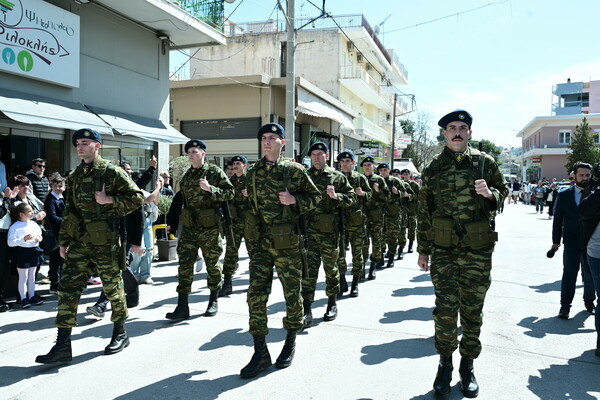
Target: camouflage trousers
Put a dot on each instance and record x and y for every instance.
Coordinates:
(356, 238)
(81, 262)
(288, 264)
(230, 263)
(377, 241)
(392, 231)
(322, 247)
(407, 228)
(191, 239)
(461, 278)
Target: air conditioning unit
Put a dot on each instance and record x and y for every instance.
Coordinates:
(368, 67)
(359, 58)
(350, 46)
(388, 117)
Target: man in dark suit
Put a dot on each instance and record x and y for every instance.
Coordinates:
(568, 226)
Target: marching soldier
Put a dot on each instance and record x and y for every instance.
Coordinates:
(461, 189)
(239, 207)
(280, 191)
(375, 216)
(409, 215)
(98, 194)
(354, 222)
(324, 231)
(204, 187)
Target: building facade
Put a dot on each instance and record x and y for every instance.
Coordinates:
(104, 64)
(343, 88)
(572, 98)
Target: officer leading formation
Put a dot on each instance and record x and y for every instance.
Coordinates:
(462, 188)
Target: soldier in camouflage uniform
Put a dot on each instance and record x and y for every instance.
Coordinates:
(409, 215)
(324, 231)
(204, 187)
(393, 210)
(279, 191)
(239, 206)
(461, 189)
(375, 216)
(354, 221)
(98, 194)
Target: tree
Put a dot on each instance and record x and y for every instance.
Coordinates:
(423, 147)
(582, 147)
(487, 146)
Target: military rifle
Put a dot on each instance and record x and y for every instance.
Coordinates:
(228, 220)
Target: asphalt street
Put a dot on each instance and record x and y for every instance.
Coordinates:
(379, 347)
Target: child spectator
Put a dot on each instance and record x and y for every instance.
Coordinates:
(54, 205)
(25, 236)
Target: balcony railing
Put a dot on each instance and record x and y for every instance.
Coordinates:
(356, 72)
(209, 11)
(363, 123)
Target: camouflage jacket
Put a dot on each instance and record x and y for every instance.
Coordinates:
(413, 199)
(448, 191)
(240, 204)
(396, 201)
(356, 179)
(265, 182)
(80, 201)
(378, 199)
(329, 176)
(194, 197)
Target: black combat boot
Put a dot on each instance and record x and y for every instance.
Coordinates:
(308, 317)
(400, 254)
(261, 359)
(227, 288)
(61, 351)
(213, 307)
(390, 262)
(331, 312)
(287, 353)
(182, 311)
(354, 289)
(343, 286)
(410, 245)
(119, 339)
(372, 271)
(468, 383)
(441, 385)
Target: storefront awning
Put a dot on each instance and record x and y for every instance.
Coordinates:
(145, 128)
(310, 104)
(57, 114)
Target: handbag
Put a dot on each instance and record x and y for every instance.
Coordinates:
(49, 241)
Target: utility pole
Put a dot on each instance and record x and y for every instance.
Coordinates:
(290, 86)
(393, 131)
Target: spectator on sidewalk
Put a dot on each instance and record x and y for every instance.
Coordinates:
(55, 209)
(38, 181)
(567, 225)
(167, 190)
(527, 192)
(539, 192)
(7, 197)
(3, 177)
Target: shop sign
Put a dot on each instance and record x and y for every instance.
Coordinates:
(39, 41)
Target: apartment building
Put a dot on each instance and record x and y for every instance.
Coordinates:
(344, 82)
(572, 98)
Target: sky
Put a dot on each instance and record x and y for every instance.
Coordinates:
(497, 59)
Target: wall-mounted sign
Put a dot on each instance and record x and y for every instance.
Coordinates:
(39, 41)
(536, 160)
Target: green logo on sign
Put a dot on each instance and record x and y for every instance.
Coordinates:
(25, 61)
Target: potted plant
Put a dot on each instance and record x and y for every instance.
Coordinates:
(167, 247)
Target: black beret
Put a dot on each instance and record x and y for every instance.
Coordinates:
(230, 163)
(195, 143)
(345, 154)
(456, 115)
(405, 171)
(86, 133)
(383, 165)
(271, 128)
(395, 171)
(318, 146)
(367, 159)
(241, 159)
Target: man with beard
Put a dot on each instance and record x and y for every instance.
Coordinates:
(462, 187)
(567, 224)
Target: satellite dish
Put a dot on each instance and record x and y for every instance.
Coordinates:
(376, 29)
(230, 1)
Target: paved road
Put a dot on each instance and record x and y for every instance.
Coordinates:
(379, 347)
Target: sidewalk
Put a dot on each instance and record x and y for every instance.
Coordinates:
(379, 347)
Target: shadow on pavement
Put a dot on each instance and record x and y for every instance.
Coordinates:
(547, 287)
(425, 277)
(578, 379)
(540, 327)
(416, 314)
(414, 291)
(404, 348)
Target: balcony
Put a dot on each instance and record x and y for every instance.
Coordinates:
(357, 80)
(365, 126)
(209, 11)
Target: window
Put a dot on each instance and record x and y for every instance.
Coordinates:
(596, 135)
(564, 137)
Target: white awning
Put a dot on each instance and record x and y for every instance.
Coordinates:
(63, 115)
(145, 128)
(310, 104)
